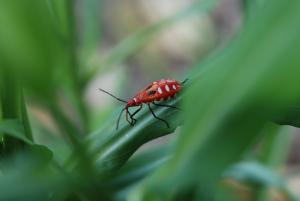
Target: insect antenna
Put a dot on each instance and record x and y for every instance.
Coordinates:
(119, 99)
(118, 121)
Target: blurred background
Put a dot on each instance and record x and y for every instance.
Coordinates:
(54, 55)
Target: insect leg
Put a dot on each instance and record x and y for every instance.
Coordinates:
(157, 116)
(118, 121)
(134, 113)
(184, 81)
(133, 120)
(162, 105)
(130, 122)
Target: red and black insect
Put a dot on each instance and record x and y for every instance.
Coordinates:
(160, 90)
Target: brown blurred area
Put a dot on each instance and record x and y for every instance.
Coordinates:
(176, 48)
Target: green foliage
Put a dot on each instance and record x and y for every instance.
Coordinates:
(15, 129)
(227, 106)
(29, 47)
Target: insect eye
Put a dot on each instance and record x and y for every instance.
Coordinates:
(151, 92)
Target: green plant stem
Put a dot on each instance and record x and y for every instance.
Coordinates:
(274, 152)
(25, 119)
(82, 161)
(10, 97)
(74, 68)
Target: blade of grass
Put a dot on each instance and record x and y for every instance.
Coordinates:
(15, 129)
(274, 152)
(139, 167)
(10, 97)
(91, 35)
(80, 160)
(254, 173)
(25, 118)
(77, 92)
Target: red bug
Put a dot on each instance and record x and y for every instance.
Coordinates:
(160, 90)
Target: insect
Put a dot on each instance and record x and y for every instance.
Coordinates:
(160, 90)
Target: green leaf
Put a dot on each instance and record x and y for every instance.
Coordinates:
(274, 147)
(25, 118)
(111, 148)
(14, 128)
(30, 178)
(91, 28)
(292, 117)
(254, 173)
(58, 12)
(138, 167)
(29, 47)
(273, 153)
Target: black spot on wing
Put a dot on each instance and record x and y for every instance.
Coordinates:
(151, 92)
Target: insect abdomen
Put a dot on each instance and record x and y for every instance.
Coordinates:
(157, 91)
(166, 89)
